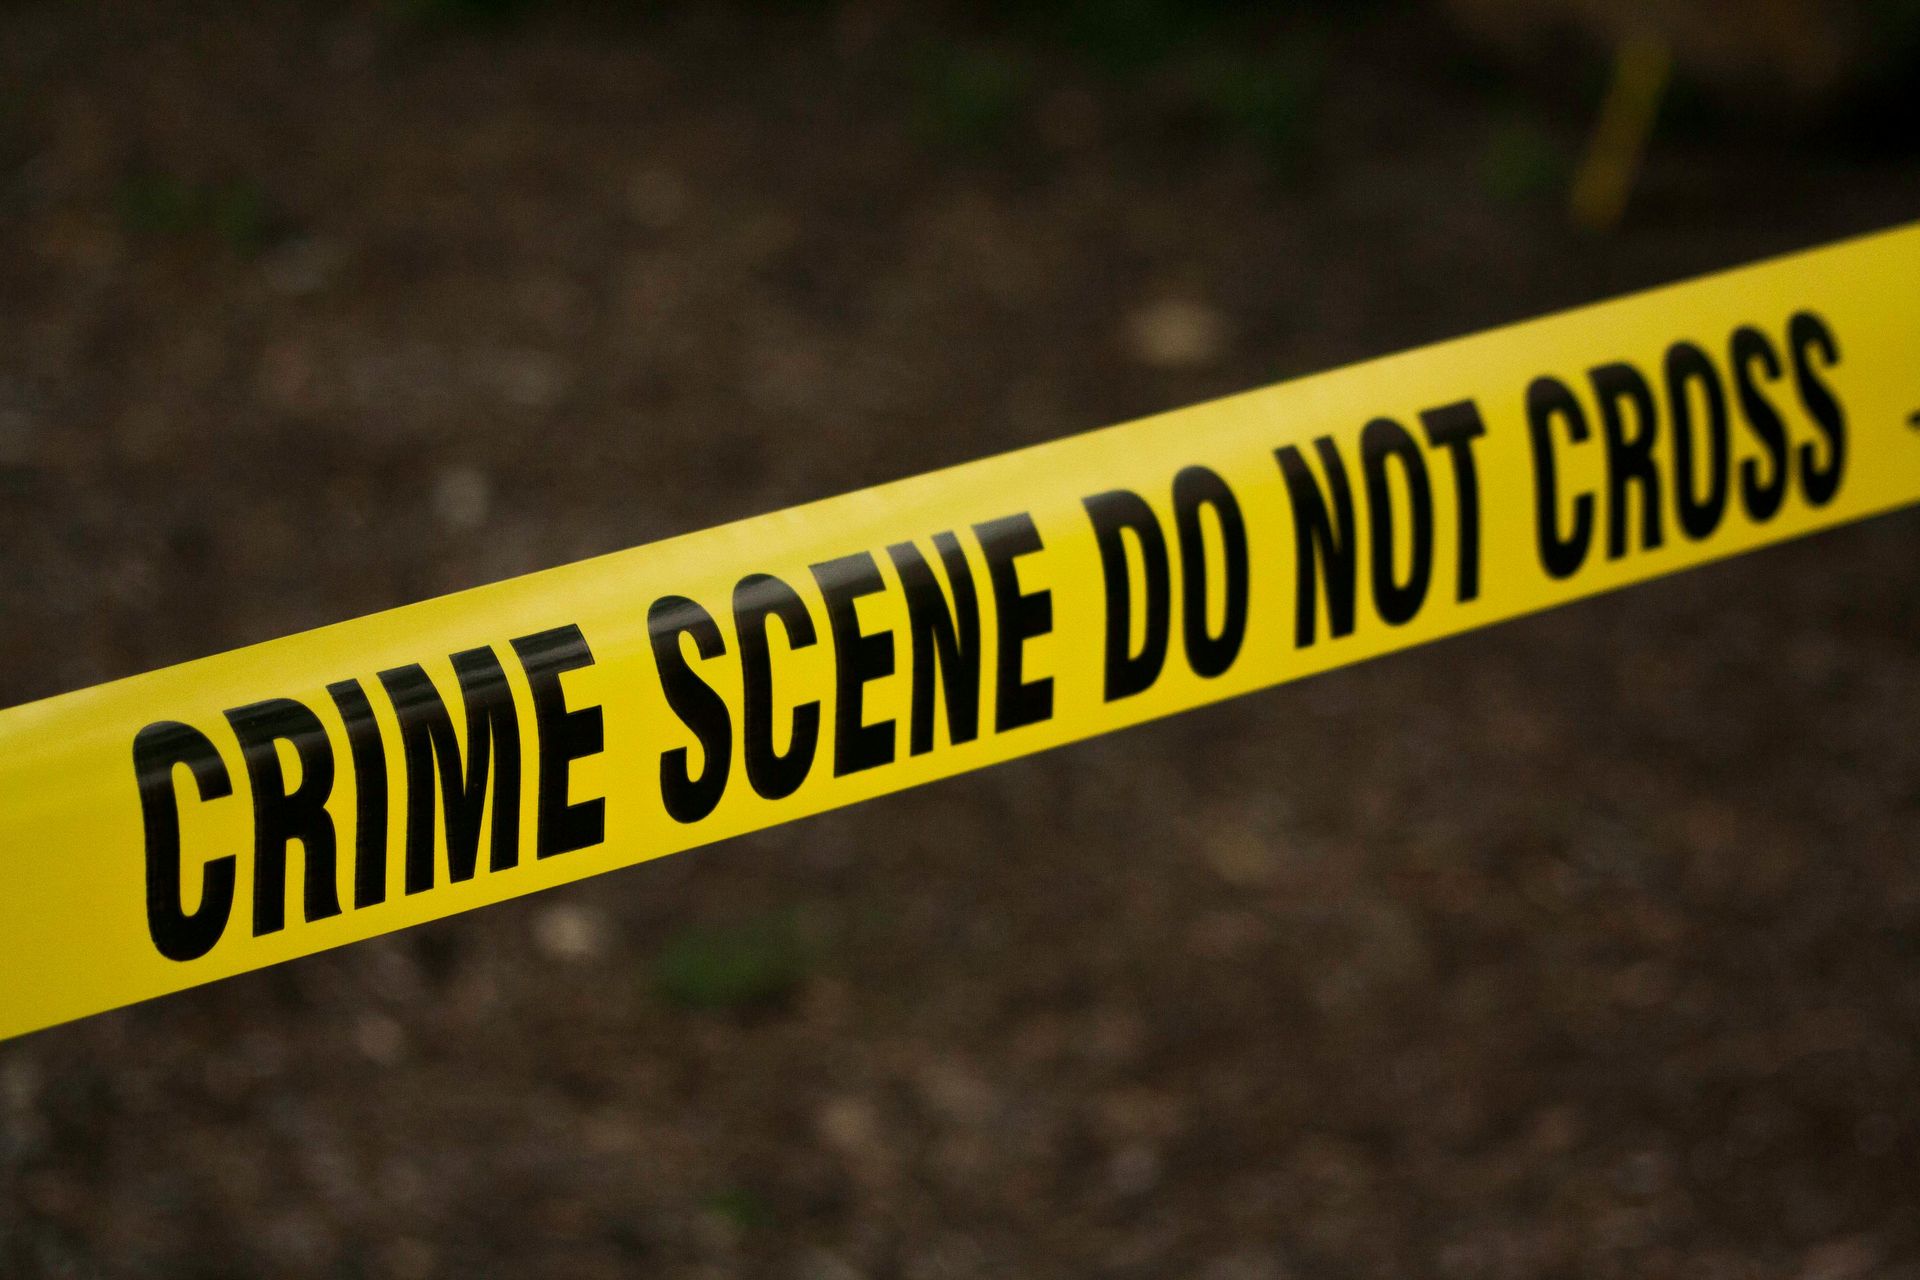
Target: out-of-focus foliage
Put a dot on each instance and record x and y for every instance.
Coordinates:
(733, 966)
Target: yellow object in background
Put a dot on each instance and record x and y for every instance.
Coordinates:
(1605, 178)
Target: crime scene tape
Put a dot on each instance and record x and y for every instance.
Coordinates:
(223, 815)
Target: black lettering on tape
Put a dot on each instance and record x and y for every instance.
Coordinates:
(281, 816)
(859, 657)
(1195, 488)
(1455, 427)
(687, 798)
(773, 774)
(942, 636)
(1630, 462)
(433, 763)
(1320, 540)
(1807, 333)
(1561, 555)
(369, 756)
(158, 749)
(563, 734)
(1021, 616)
(1761, 489)
(1381, 441)
(1116, 514)
(1687, 366)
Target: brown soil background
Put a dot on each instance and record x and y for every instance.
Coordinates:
(1588, 946)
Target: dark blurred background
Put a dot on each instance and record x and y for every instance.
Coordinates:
(1588, 946)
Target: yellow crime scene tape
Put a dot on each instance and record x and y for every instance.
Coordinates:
(230, 813)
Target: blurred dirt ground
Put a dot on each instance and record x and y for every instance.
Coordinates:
(1588, 946)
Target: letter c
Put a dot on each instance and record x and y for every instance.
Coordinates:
(157, 750)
